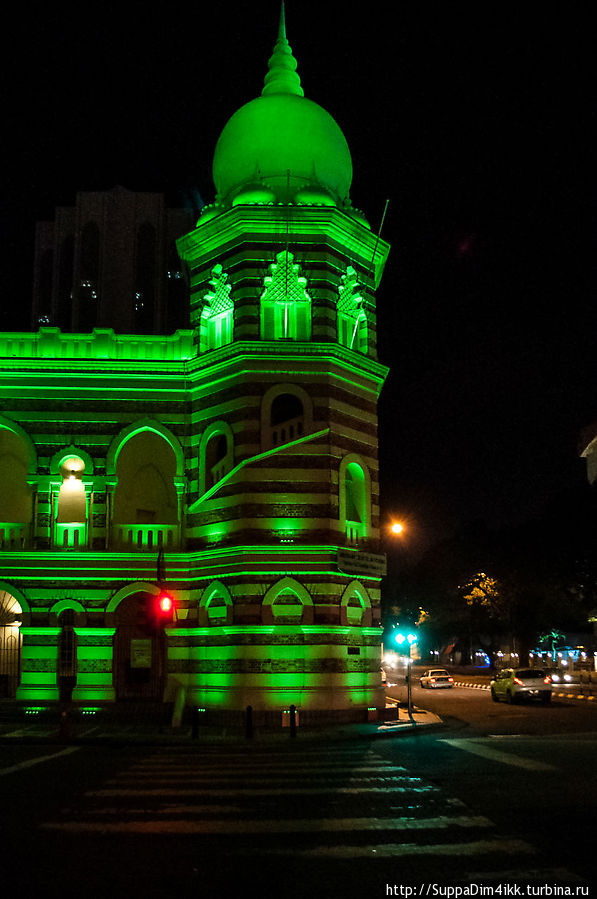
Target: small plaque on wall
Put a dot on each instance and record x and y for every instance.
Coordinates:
(356, 562)
(141, 653)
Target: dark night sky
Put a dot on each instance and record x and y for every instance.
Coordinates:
(477, 123)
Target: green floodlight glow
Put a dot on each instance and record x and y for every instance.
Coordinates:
(399, 638)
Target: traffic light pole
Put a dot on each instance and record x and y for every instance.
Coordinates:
(409, 691)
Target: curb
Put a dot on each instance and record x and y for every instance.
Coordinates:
(472, 686)
(557, 693)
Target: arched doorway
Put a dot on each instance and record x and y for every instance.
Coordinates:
(67, 655)
(10, 645)
(139, 650)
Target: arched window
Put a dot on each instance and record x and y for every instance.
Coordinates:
(355, 498)
(285, 304)
(351, 318)
(215, 459)
(15, 493)
(216, 455)
(71, 514)
(286, 415)
(287, 419)
(145, 505)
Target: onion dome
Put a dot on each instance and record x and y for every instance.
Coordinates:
(283, 143)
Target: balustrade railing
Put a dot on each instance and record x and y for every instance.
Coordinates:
(13, 535)
(144, 537)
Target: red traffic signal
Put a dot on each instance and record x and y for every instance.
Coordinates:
(165, 608)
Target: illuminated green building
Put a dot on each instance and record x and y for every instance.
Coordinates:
(244, 447)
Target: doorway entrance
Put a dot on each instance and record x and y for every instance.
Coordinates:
(10, 645)
(139, 651)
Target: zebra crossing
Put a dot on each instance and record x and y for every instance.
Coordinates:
(344, 802)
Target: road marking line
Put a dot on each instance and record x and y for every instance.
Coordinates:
(199, 777)
(249, 791)
(393, 850)
(37, 761)
(209, 770)
(496, 755)
(278, 825)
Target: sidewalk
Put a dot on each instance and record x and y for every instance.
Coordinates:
(117, 733)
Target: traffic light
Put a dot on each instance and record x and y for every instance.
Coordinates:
(164, 608)
(401, 638)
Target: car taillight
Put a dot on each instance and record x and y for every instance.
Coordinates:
(547, 680)
(432, 679)
(518, 681)
(451, 680)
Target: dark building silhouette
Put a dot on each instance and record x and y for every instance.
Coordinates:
(110, 261)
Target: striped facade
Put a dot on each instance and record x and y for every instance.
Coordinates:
(277, 592)
(233, 464)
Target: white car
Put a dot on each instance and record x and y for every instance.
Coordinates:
(512, 684)
(436, 677)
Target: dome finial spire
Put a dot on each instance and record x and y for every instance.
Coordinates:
(282, 25)
(282, 77)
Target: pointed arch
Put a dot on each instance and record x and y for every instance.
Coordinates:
(215, 606)
(18, 465)
(11, 425)
(287, 602)
(144, 424)
(355, 605)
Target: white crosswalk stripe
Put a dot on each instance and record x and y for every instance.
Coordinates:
(332, 799)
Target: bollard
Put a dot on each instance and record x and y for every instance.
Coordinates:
(293, 721)
(249, 722)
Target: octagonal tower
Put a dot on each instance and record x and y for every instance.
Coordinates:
(283, 510)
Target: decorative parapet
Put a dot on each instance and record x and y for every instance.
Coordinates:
(145, 537)
(102, 343)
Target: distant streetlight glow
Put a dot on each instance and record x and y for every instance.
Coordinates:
(397, 528)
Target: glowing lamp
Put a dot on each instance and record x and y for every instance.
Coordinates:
(164, 607)
(165, 603)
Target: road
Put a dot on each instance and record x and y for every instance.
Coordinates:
(499, 794)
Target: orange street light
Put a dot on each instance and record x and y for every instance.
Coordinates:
(397, 528)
